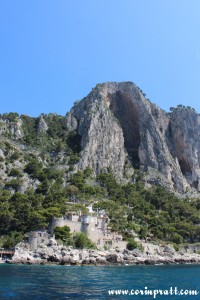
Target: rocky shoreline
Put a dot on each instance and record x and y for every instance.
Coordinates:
(62, 255)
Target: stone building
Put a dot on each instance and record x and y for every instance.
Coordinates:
(96, 228)
(35, 238)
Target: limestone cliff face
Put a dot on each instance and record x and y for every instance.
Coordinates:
(11, 128)
(118, 124)
(184, 135)
(42, 126)
(102, 140)
(120, 131)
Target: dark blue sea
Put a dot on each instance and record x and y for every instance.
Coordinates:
(72, 282)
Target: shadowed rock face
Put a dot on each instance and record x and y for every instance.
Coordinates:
(116, 124)
(123, 108)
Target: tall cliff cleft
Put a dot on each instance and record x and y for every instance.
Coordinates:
(117, 123)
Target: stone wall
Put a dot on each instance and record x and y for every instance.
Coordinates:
(36, 238)
(74, 226)
(93, 228)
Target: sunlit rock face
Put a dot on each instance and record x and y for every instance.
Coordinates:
(117, 124)
(117, 129)
(184, 143)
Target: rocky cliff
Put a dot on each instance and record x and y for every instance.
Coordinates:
(115, 128)
(151, 254)
(119, 127)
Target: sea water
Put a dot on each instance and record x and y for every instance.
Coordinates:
(27, 282)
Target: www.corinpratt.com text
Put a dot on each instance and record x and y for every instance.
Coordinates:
(172, 291)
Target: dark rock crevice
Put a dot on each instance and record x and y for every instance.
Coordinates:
(185, 167)
(124, 110)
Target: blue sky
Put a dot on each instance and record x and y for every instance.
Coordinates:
(52, 52)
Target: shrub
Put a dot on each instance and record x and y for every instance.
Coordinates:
(176, 247)
(14, 184)
(33, 168)
(12, 117)
(15, 173)
(74, 158)
(87, 172)
(132, 244)
(82, 241)
(16, 155)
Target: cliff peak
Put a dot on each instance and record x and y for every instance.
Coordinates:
(119, 127)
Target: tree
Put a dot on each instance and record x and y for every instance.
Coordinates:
(177, 238)
(62, 233)
(33, 168)
(72, 191)
(9, 241)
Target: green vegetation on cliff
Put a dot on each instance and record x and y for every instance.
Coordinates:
(154, 213)
(38, 182)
